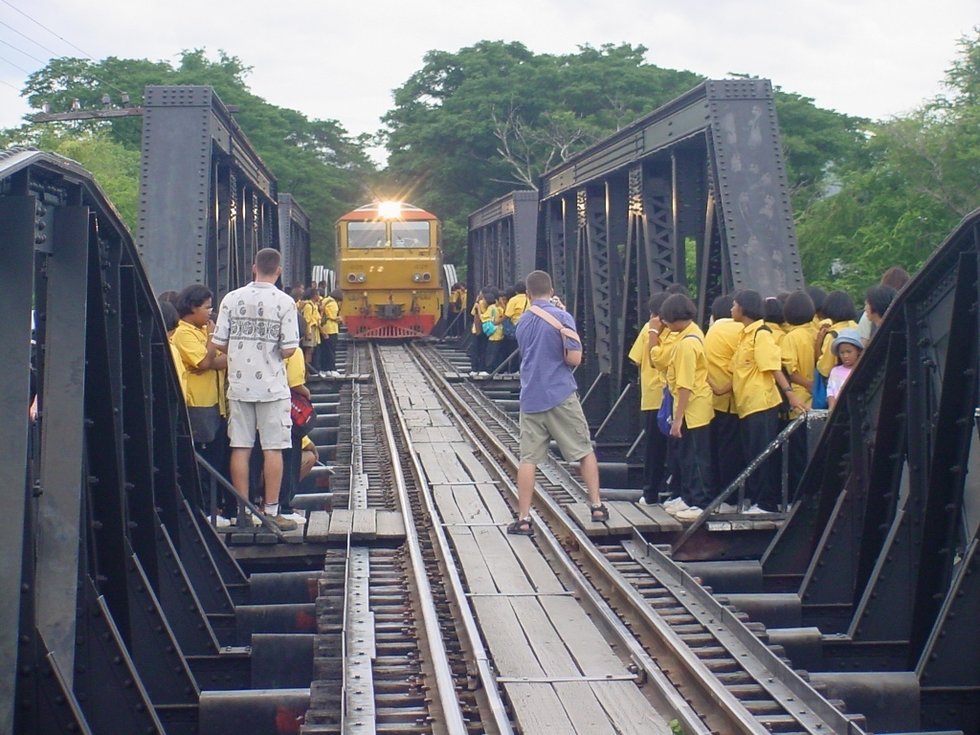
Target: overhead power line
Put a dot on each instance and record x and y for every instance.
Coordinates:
(50, 51)
(16, 66)
(22, 51)
(35, 20)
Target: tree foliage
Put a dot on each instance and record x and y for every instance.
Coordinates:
(317, 161)
(919, 175)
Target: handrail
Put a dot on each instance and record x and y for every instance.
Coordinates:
(738, 483)
(243, 503)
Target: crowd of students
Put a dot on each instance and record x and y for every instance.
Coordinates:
(713, 401)
(202, 372)
(495, 315)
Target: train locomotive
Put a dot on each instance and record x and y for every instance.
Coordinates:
(389, 257)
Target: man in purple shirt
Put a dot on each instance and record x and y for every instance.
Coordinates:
(550, 407)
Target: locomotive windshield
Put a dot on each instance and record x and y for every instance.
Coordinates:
(410, 234)
(366, 235)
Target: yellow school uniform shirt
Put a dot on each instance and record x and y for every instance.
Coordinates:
(311, 317)
(719, 347)
(306, 444)
(516, 306)
(296, 369)
(688, 369)
(777, 331)
(651, 380)
(178, 365)
(826, 361)
(756, 356)
(330, 310)
(660, 353)
(202, 389)
(797, 354)
(478, 308)
(492, 314)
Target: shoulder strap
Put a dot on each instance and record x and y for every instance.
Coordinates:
(565, 331)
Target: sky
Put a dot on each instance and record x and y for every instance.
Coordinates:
(332, 59)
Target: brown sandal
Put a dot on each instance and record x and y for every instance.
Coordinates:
(521, 527)
(600, 513)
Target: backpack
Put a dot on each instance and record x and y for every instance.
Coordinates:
(819, 392)
(302, 413)
(510, 329)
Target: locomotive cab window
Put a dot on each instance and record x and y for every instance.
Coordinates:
(366, 235)
(410, 234)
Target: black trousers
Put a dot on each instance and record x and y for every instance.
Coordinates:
(477, 351)
(692, 458)
(757, 431)
(654, 459)
(328, 352)
(492, 356)
(727, 459)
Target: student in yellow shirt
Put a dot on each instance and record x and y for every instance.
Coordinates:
(687, 381)
(652, 384)
(757, 380)
(204, 375)
(517, 304)
(494, 314)
(720, 342)
(799, 365)
(774, 318)
(478, 342)
(330, 321)
(309, 309)
(839, 309)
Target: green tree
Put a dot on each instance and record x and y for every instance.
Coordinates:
(919, 176)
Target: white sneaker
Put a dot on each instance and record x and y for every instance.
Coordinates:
(643, 501)
(221, 522)
(726, 508)
(675, 505)
(334, 373)
(299, 518)
(324, 374)
(690, 513)
(483, 374)
(754, 510)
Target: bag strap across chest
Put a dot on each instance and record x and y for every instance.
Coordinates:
(566, 332)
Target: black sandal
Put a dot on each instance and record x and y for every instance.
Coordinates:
(600, 513)
(521, 527)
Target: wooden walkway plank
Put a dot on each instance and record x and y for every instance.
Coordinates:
(583, 708)
(495, 503)
(477, 472)
(316, 526)
(586, 644)
(548, 646)
(364, 524)
(628, 709)
(445, 502)
(471, 506)
(617, 524)
(391, 525)
(634, 515)
(667, 522)
(536, 567)
(582, 515)
(512, 656)
(538, 709)
(340, 521)
(475, 572)
(507, 572)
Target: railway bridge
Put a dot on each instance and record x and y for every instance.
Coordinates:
(401, 605)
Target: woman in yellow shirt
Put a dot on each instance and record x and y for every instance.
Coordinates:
(757, 380)
(204, 375)
(839, 309)
(330, 320)
(720, 342)
(799, 365)
(652, 383)
(687, 380)
(494, 314)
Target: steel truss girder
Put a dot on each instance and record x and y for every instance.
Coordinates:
(294, 241)
(882, 544)
(116, 581)
(502, 241)
(207, 201)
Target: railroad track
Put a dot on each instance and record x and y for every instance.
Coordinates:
(711, 653)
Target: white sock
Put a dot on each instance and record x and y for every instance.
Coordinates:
(272, 509)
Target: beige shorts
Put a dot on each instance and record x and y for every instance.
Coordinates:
(270, 418)
(565, 423)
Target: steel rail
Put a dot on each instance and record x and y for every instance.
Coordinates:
(793, 698)
(439, 658)
(664, 692)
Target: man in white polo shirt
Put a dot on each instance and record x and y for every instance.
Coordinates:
(256, 327)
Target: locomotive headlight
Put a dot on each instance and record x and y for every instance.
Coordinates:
(361, 278)
(389, 210)
(417, 277)
(355, 278)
